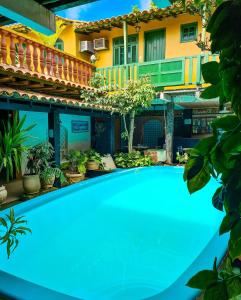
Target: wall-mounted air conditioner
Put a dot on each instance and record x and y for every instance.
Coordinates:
(86, 46)
(100, 44)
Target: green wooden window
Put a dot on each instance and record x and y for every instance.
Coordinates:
(188, 32)
(118, 50)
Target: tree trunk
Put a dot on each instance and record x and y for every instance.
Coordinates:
(204, 25)
(131, 131)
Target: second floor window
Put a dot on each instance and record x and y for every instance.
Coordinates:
(59, 44)
(118, 50)
(188, 32)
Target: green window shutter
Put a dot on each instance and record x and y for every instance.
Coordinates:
(155, 45)
(189, 32)
(116, 56)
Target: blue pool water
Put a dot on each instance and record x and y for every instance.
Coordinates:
(131, 235)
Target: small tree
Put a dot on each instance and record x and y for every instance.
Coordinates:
(129, 101)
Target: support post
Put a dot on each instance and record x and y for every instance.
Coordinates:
(54, 134)
(170, 131)
(111, 135)
(125, 34)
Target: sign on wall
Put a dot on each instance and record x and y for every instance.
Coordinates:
(78, 126)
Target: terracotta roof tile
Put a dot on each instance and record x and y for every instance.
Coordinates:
(40, 97)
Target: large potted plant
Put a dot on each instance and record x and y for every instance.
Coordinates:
(94, 160)
(75, 166)
(12, 147)
(38, 158)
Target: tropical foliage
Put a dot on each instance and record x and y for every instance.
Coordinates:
(39, 157)
(52, 172)
(132, 160)
(93, 155)
(13, 228)
(76, 161)
(219, 156)
(12, 147)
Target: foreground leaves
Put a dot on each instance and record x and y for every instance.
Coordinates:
(13, 228)
(220, 156)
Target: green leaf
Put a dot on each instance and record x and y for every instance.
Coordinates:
(216, 292)
(193, 167)
(235, 249)
(3, 222)
(218, 199)
(226, 123)
(234, 287)
(199, 180)
(228, 222)
(210, 72)
(203, 279)
(215, 19)
(212, 92)
(205, 145)
(232, 144)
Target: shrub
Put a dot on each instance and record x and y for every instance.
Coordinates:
(132, 160)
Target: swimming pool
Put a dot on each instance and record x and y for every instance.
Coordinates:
(131, 235)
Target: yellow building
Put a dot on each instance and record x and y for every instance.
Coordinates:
(159, 43)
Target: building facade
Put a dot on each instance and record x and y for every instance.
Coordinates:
(42, 76)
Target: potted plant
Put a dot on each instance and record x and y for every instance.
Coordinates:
(38, 158)
(75, 166)
(94, 160)
(12, 147)
(48, 176)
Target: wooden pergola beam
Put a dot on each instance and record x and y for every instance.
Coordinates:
(29, 13)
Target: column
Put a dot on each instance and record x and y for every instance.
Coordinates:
(54, 134)
(111, 135)
(170, 131)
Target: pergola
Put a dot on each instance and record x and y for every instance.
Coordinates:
(37, 14)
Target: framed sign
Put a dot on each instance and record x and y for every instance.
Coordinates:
(79, 126)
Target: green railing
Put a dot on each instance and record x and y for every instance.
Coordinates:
(163, 73)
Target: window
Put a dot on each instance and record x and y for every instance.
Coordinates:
(188, 32)
(59, 44)
(118, 50)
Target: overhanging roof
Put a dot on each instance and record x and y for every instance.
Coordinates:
(50, 99)
(131, 19)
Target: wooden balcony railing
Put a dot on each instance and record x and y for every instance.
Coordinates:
(26, 54)
(181, 71)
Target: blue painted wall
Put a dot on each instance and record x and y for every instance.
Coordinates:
(39, 133)
(78, 141)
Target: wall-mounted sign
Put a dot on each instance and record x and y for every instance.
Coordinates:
(79, 126)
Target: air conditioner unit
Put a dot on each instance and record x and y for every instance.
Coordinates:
(100, 44)
(86, 46)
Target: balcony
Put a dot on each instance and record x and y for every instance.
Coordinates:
(28, 64)
(181, 71)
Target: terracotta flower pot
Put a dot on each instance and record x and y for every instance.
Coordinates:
(3, 194)
(92, 165)
(74, 177)
(31, 184)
